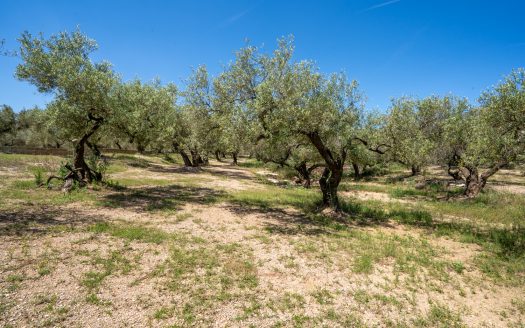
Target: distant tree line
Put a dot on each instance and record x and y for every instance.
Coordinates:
(270, 106)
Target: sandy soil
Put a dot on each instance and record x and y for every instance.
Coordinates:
(295, 262)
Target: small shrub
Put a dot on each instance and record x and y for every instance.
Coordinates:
(38, 173)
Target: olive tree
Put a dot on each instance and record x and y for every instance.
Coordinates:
(325, 110)
(494, 133)
(33, 128)
(7, 125)
(199, 129)
(235, 95)
(409, 144)
(415, 128)
(61, 65)
(141, 113)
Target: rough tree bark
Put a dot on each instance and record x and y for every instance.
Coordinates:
(140, 148)
(357, 171)
(94, 148)
(234, 156)
(79, 162)
(476, 181)
(196, 158)
(453, 168)
(416, 169)
(185, 157)
(332, 174)
(305, 172)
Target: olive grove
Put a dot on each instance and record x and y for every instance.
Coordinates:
(267, 105)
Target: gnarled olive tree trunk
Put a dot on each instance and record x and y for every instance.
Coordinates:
(333, 172)
(305, 172)
(416, 169)
(329, 182)
(234, 156)
(476, 181)
(79, 163)
(218, 156)
(185, 157)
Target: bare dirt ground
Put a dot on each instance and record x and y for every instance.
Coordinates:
(176, 250)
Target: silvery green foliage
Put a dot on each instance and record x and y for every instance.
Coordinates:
(499, 126)
(143, 114)
(234, 102)
(7, 125)
(34, 129)
(199, 129)
(295, 99)
(61, 65)
(416, 128)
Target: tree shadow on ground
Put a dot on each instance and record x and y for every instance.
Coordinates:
(166, 198)
(42, 220)
(174, 169)
(229, 171)
(281, 221)
(310, 220)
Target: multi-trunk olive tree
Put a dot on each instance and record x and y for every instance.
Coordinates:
(82, 89)
(493, 135)
(408, 143)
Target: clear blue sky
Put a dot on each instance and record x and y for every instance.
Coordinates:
(392, 47)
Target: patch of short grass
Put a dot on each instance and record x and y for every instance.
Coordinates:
(131, 232)
(364, 250)
(115, 262)
(439, 315)
(208, 275)
(275, 197)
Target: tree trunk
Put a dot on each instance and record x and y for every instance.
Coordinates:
(185, 158)
(333, 172)
(304, 174)
(329, 182)
(203, 160)
(176, 147)
(453, 167)
(234, 155)
(454, 173)
(140, 148)
(474, 181)
(416, 169)
(94, 148)
(118, 145)
(79, 163)
(357, 172)
(195, 158)
(217, 156)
